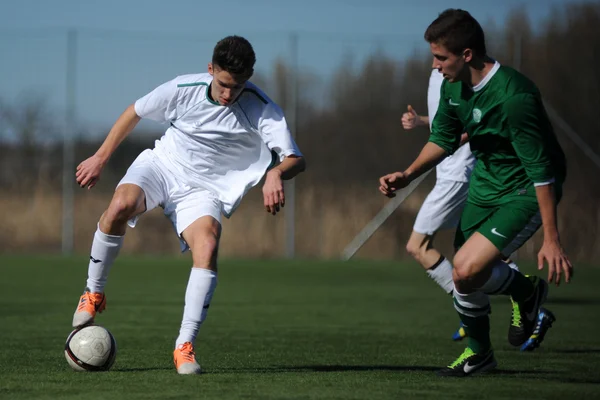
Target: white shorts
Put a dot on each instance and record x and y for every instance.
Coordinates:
(442, 207)
(182, 204)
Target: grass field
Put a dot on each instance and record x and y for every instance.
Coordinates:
(283, 330)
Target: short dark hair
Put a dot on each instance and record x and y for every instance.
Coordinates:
(235, 55)
(457, 30)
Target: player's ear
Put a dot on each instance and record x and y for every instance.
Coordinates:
(210, 69)
(467, 55)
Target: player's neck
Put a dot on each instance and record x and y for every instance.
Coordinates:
(211, 97)
(478, 70)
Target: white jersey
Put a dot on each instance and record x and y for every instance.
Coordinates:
(457, 167)
(224, 149)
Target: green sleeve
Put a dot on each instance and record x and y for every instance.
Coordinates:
(529, 132)
(446, 128)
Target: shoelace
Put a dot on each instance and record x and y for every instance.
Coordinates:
(187, 353)
(466, 354)
(87, 299)
(516, 314)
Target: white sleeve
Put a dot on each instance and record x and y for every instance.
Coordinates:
(275, 132)
(160, 104)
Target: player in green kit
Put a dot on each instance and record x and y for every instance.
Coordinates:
(514, 189)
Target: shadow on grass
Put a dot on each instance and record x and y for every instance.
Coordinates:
(142, 369)
(572, 301)
(574, 351)
(322, 368)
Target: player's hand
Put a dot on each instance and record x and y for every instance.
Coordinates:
(389, 183)
(88, 172)
(274, 198)
(558, 262)
(410, 119)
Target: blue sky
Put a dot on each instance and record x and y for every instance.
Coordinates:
(126, 48)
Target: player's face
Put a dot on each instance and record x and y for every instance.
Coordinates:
(225, 87)
(451, 65)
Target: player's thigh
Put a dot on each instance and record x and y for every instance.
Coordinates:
(152, 183)
(442, 207)
(420, 241)
(196, 216)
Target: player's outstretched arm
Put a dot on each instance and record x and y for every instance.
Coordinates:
(273, 194)
(429, 157)
(411, 119)
(552, 252)
(88, 172)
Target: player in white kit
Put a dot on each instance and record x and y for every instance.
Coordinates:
(444, 204)
(222, 133)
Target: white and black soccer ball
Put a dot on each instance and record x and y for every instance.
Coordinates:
(91, 348)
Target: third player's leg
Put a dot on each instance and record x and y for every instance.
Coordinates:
(420, 247)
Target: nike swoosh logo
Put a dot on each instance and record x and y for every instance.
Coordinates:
(468, 367)
(453, 103)
(495, 232)
(95, 260)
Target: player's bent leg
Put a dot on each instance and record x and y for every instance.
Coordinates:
(128, 201)
(202, 237)
(473, 309)
(529, 292)
(420, 247)
(471, 265)
(437, 267)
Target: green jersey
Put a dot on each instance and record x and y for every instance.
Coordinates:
(509, 132)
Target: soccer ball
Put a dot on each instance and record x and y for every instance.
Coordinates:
(91, 348)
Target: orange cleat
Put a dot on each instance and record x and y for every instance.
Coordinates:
(185, 360)
(89, 305)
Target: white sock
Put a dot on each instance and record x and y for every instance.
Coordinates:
(199, 292)
(476, 304)
(441, 273)
(105, 249)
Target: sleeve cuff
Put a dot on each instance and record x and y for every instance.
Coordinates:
(548, 182)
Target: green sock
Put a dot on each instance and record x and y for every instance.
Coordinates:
(521, 288)
(478, 330)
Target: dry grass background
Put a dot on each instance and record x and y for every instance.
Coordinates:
(327, 219)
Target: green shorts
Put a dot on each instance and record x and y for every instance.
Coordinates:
(507, 226)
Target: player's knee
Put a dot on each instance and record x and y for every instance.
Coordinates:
(464, 270)
(417, 249)
(121, 208)
(414, 250)
(204, 249)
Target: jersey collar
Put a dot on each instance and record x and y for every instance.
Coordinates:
(487, 78)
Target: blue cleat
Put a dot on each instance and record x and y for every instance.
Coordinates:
(544, 322)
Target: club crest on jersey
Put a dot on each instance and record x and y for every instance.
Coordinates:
(476, 115)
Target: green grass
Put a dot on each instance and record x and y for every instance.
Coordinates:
(283, 330)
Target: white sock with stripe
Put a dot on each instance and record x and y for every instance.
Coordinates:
(105, 249)
(199, 292)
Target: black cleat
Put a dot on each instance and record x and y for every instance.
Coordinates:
(469, 363)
